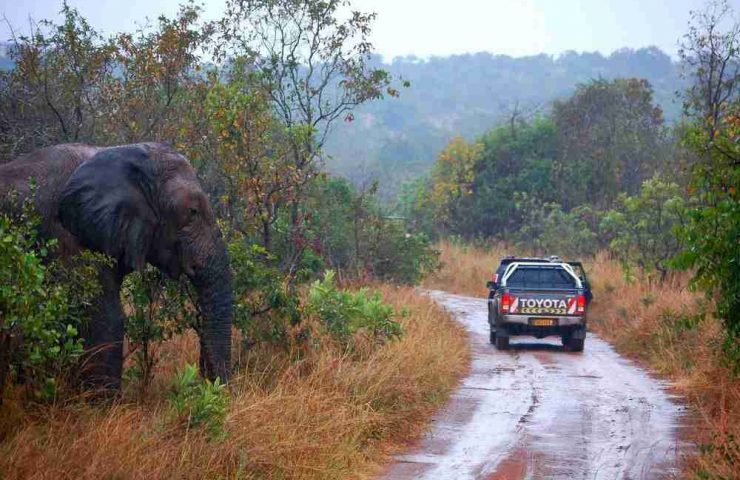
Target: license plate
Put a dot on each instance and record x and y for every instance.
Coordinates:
(542, 322)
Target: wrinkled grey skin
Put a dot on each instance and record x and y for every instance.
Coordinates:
(139, 204)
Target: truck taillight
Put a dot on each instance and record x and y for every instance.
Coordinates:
(581, 304)
(506, 300)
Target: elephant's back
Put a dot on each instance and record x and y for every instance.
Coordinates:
(48, 167)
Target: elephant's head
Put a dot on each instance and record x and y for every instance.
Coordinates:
(143, 203)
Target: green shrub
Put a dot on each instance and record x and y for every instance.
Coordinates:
(42, 304)
(549, 230)
(264, 304)
(157, 309)
(198, 402)
(343, 312)
(643, 230)
(398, 256)
(350, 232)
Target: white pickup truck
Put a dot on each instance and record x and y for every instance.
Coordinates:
(540, 297)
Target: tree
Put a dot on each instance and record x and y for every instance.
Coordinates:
(712, 52)
(154, 69)
(254, 152)
(547, 230)
(452, 180)
(644, 229)
(611, 137)
(72, 84)
(315, 66)
(53, 93)
(709, 53)
(513, 160)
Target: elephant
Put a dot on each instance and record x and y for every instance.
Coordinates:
(138, 204)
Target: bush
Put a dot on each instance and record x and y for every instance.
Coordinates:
(198, 402)
(42, 301)
(158, 310)
(344, 313)
(351, 234)
(398, 256)
(644, 229)
(547, 229)
(264, 304)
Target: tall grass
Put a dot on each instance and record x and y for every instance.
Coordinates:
(466, 268)
(331, 414)
(665, 326)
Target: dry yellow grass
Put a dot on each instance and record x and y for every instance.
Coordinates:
(653, 323)
(329, 415)
(466, 268)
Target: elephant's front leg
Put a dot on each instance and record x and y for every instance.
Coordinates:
(103, 361)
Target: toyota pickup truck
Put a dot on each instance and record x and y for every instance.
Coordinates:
(540, 297)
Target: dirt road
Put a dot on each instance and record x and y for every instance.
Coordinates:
(539, 412)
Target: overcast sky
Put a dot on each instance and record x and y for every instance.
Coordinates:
(425, 28)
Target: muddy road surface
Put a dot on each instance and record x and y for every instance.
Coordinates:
(536, 411)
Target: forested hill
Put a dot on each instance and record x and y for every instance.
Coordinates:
(396, 139)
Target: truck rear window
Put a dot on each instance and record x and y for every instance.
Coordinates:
(539, 277)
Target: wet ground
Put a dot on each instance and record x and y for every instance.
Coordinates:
(537, 411)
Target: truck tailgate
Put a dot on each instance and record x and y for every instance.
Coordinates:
(543, 303)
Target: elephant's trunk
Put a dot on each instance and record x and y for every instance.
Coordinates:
(215, 302)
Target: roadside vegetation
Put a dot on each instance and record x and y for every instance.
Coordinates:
(317, 410)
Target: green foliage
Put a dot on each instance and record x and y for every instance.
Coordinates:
(357, 237)
(264, 305)
(198, 402)
(548, 230)
(413, 202)
(344, 312)
(610, 139)
(513, 158)
(712, 234)
(396, 255)
(42, 301)
(644, 229)
(73, 84)
(157, 309)
(543, 183)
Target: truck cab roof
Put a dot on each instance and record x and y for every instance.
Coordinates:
(561, 274)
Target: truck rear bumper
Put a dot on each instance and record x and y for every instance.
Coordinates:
(511, 325)
(559, 321)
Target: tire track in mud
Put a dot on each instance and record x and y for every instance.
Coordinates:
(537, 411)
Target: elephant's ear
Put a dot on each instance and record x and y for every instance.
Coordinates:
(107, 204)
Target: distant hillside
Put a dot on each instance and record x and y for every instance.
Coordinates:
(397, 139)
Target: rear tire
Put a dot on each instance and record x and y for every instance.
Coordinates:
(492, 336)
(502, 343)
(576, 344)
